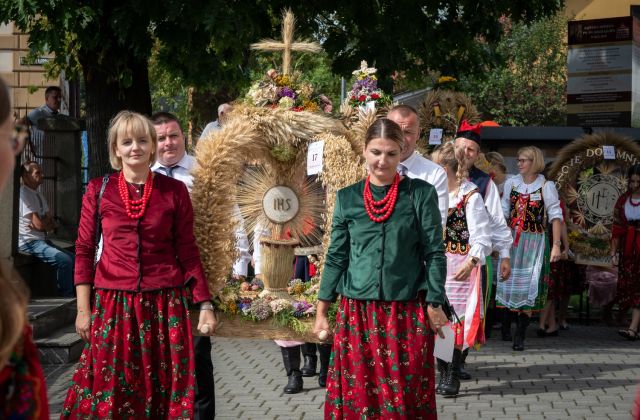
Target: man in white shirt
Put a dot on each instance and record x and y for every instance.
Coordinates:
(51, 107)
(35, 221)
(172, 160)
(216, 125)
(413, 164)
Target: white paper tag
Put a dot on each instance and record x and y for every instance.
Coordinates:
(314, 157)
(609, 152)
(443, 348)
(535, 197)
(435, 136)
(371, 105)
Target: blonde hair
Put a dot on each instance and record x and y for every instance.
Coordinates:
(454, 159)
(535, 154)
(131, 123)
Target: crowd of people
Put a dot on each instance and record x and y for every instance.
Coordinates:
(410, 259)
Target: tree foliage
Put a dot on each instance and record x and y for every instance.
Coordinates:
(527, 86)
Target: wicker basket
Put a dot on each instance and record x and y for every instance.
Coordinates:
(235, 327)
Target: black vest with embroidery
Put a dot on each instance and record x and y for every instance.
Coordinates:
(456, 235)
(481, 179)
(534, 211)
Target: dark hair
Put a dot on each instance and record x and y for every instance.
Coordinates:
(633, 170)
(384, 128)
(164, 117)
(404, 110)
(51, 89)
(5, 102)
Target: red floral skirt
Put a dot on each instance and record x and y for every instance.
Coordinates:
(382, 362)
(140, 361)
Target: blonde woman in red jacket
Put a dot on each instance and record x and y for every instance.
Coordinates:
(138, 359)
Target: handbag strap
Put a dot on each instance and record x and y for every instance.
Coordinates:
(105, 180)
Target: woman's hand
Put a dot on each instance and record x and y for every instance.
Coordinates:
(505, 269)
(207, 322)
(465, 271)
(321, 324)
(83, 325)
(555, 253)
(437, 319)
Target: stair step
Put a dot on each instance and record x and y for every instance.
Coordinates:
(50, 314)
(62, 346)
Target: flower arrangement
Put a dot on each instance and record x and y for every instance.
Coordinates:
(252, 302)
(286, 91)
(365, 88)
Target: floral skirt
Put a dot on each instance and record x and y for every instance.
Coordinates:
(565, 280)
(381, 362)
(140, 361)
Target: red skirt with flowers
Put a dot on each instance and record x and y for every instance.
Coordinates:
(382, 362)
(140, 361)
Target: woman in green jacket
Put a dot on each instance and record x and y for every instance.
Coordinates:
(387, 262)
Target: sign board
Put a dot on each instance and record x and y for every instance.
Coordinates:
(602, 60)
(314, 157)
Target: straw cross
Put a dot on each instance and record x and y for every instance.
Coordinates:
(288, 44)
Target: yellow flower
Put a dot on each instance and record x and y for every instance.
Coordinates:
(232, 307)
(311, 107)
(447, 79)
(283, 80)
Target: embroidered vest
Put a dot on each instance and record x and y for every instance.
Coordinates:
(456, 234)
(527, 215)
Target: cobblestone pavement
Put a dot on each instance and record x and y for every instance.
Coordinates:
(585, 373)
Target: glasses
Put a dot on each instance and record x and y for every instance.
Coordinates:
(523, 160)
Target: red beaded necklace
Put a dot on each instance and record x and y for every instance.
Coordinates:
(135, 208)
(379, 211)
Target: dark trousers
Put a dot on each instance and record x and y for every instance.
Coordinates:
(205, 403)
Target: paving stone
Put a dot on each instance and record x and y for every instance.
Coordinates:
(586, 372)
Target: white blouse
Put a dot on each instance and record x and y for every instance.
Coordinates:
(477, 221)
(549, 195)
(631, 212)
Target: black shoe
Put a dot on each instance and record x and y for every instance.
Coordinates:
(521, 330)
(291, 359)
(506, 325)
(325, 357)
(451, 386)
(463, 375)
(309, 368)
(310, 359)
(294, 385)
(442, 367)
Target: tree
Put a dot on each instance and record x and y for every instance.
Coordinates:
(527, 85)
(414, 36)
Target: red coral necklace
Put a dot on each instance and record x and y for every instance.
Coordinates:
(379, 211)
(135, 208)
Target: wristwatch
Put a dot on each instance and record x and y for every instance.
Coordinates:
(475, 260)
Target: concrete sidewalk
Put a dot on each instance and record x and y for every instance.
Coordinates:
(585, 373)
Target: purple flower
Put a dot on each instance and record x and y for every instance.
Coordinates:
(301, 308)
(287, 92)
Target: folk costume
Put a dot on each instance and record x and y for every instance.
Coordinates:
(387, 268)
(23, 391)
(626, 227)
(140, 360)
(528, 207)
(467, 236)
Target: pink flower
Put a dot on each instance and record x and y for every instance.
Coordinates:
(103, 409)
(175, 411)
(175, 336)
(85, 407)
